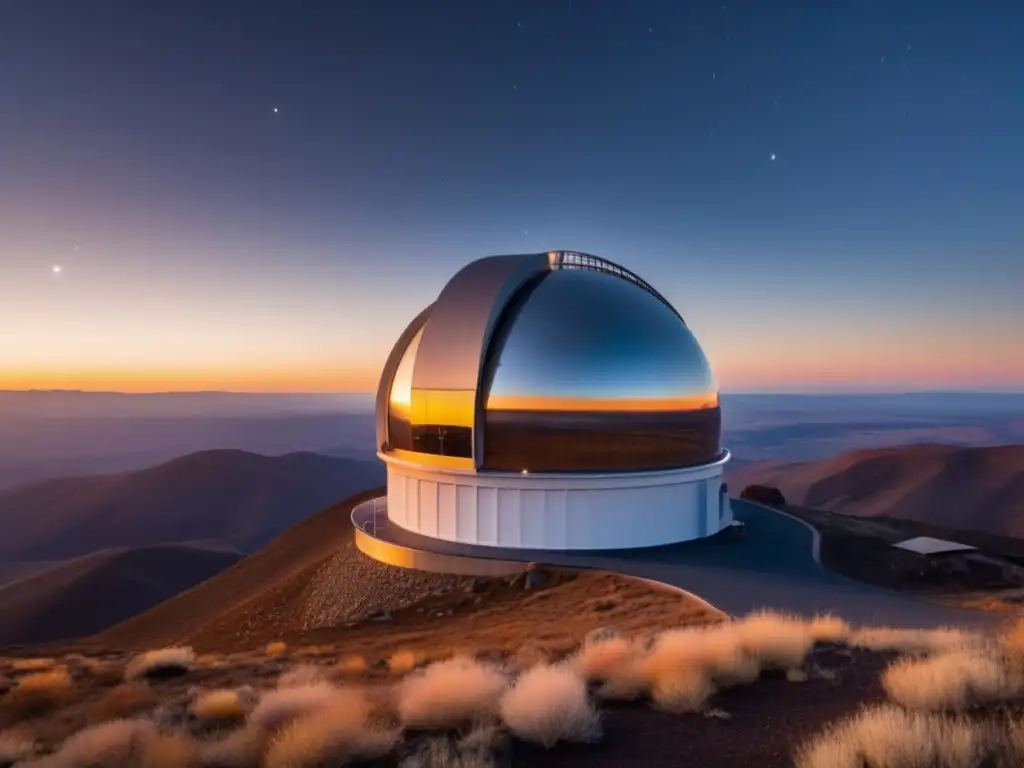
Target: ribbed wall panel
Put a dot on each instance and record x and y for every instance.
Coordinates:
(558, 512)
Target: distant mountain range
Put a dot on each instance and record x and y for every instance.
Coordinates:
(87, 594)
(232, 497)
(949, 486)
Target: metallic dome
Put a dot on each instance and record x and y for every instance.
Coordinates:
(558, 362)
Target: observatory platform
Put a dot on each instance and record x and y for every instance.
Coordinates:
(551, 401)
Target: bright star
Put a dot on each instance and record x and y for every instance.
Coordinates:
(773, 155)
(56, 269)
(275, 110)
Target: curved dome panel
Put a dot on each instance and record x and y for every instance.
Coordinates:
(590, 372)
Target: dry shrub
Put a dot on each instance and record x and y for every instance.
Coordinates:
(450, 693)
(14, 747)
(549, 704)
(617, 664)
(171, 749)
(337, 733)
(475, 750)
(38, 692)
(890, 737)
(208, 661)
(826, 628)
(242, 748)
(32, 665)
(1011, 642)
(106, 673)
(160, 663)
(403, 662)
(956, 680)
(276, 648)
(351, 665)
(301, 675)
(277, 708)
(913, 641)
(777, 641)
(681, 690)
(125, 700)
(220, 704)
(108, 744)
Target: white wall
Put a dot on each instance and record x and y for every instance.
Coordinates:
(549, 511)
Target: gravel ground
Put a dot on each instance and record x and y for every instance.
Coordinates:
(351, 586)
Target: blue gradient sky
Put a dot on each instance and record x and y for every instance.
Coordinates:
(208, 242)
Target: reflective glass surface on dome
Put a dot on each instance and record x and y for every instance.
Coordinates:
(587, 371)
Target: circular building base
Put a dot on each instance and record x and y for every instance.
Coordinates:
(558, 511)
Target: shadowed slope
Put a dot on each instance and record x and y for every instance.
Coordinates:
(291, 559)
(949, 486)
(89, 593)
(232, 496)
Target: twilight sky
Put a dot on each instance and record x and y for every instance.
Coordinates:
(259, 196)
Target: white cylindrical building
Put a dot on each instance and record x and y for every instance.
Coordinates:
(551, 401)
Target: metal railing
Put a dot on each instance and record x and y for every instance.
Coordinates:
(371, 516)
(587, 261)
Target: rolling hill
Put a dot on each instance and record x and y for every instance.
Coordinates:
(949, 486)
(87, 594)
(233, 497)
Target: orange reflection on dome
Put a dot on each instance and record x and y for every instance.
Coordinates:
(625, 404)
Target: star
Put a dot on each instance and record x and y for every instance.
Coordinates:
(56, 269)
(773, 155)
(275, 110)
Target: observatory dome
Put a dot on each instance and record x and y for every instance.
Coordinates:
(558, 362)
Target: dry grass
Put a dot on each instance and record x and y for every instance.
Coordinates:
(126, 700)
(404, 661)
(616, 664)
(351, 665)
(913, 641)
(242, 748)
(31, 665)
(37, 693)
(890, 737)
(956, 680)
(303, 674)
(776, 640)
(161, 663)
(14, 747)
(276, 648)
(826, 628)
(278, 708)
(475, 750)
(451, 693)
(220, 705)
(548, 704)
(337, 732)
(108, 744)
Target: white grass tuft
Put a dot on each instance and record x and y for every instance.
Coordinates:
(110, 744)
(777, 641)
(301, 675)
(159, 663)
(956, 680)
(475, 750)
(242, 748)
(15, 747)
(333, 735)
(278, 708)
(827, 628)
(890, 737)
(451, 693)
(549, 704)
(913, 641)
